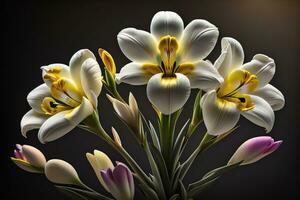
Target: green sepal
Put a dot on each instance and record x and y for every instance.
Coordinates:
(109, 79)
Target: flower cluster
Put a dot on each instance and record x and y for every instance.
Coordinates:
(171, 61)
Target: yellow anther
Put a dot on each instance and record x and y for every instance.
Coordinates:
(151, 69)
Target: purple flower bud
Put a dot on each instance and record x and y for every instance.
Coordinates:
(119, 181)
(29, 158)
(254, 149)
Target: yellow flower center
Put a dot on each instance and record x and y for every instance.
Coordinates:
(168, 47)
(236, 87)
(168, 59)
(53, 74)
(50, 106)
(64, 93)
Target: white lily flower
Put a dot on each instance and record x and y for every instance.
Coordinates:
(67, 97)
(169, 59)
(244, 91)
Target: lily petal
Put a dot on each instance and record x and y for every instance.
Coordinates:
(168, 94)
(138, 45)
(203, 75)
(36, 97)
(166, 23)
(61, 123)
(262, 114)
(272, 95)
(76, 63)
(91, 80)
(263, 67)
(198, 40)
(32, 120)
(219, 116)
(133, 74)
(232, 56)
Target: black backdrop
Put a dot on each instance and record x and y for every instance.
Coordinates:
(36, 34)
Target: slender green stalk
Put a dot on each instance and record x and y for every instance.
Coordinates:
(166, 137)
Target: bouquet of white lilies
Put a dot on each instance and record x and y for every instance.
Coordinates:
(170, 60)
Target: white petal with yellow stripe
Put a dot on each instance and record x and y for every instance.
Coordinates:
(61, 123)
(168, 94)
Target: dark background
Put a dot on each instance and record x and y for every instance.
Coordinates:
(37, 34)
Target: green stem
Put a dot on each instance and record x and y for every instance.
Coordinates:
(166, 137)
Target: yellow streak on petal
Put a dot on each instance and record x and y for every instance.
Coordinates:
(185, 68)
(151, 69)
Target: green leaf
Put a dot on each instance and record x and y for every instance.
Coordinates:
(154, 136)
(175, 197)
(177, 145)
(206, 141)
(155, 170)
(209, 177)
(148, 192)
(162, 168)
(201, 188)
(184, 194)
(175, 177)
(81, 194)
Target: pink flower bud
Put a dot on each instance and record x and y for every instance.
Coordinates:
(254, 149)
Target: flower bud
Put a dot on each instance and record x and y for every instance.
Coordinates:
(129, 113)
(108, 61)
(61, 172)
(29, 158)
(119, 181)
(254, 149)
(116, 137)
(99, 161)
